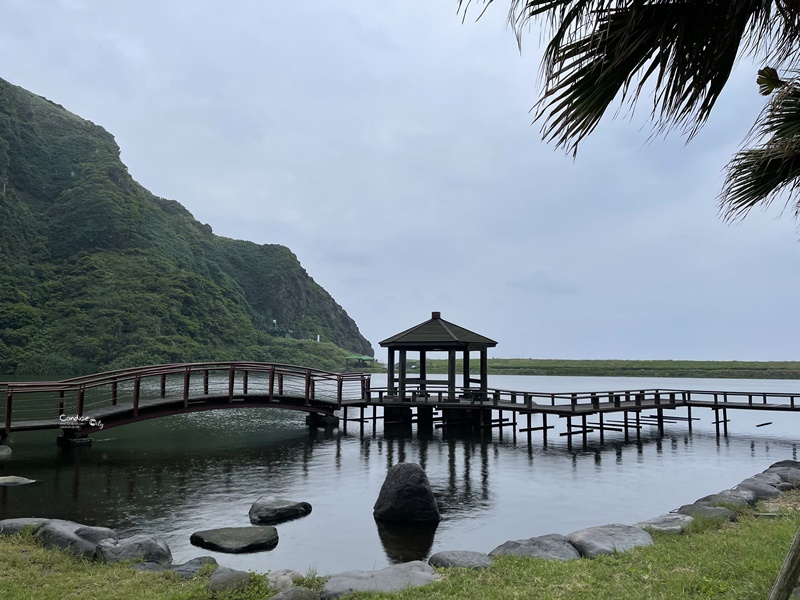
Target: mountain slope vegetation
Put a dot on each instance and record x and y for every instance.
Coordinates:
(98, 273)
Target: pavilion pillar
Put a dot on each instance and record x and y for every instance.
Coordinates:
(484, 373)
(451, 373)
(390, 373)
(465, 374)
(423, 371)
(402, 383)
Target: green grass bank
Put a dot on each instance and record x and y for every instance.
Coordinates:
(629, 368)
(712, 560)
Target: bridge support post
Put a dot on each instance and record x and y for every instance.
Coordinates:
(585, 431)
(397, 415)
(602, 429)
(569, 432)
(71, 438)
(316, 420)
(7, 425)
(425, 419)
(625, 420)
(544, 429)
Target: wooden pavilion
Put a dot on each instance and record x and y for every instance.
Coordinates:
(436, 335)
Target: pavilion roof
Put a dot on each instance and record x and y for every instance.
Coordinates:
(436, 332)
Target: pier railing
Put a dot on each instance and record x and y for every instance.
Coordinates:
(583, 401)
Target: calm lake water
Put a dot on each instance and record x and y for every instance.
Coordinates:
(177, 475)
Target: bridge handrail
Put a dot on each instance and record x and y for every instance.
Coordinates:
(577, 399)
(287, 381)
(175, 368)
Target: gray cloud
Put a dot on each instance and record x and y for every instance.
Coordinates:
(391, 148)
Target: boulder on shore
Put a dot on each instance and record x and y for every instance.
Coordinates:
(704, 510)
(390, 579)
(73, 537)
(13, 526)
(406, 495)
(608, 539)
(225, 579)
(147, 548)
(460, 559)
(759, 488)
(669, 523)
(552, 546)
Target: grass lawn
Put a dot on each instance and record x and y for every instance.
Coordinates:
(713, 560)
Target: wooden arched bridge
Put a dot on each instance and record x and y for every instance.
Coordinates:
(84, 405)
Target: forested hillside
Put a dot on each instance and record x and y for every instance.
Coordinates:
(97, 273)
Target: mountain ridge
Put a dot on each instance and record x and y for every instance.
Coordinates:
(97, 272)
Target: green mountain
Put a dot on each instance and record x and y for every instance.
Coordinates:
(97, 273)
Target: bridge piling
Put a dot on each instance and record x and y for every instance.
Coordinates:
(7, 429)
(271, 383)
(627, 437)
(186, 381)
(137, 386)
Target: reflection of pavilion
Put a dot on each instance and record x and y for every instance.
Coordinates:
(436, 335)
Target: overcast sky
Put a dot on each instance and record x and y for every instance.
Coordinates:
(390, 146)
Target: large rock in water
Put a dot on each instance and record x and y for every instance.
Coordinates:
(269, 510)
(236, 539)
(406, 495)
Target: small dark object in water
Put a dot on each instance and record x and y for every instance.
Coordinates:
(762, 424)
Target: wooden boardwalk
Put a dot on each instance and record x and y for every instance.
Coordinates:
(84, 405)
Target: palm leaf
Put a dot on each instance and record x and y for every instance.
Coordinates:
(684, 50)
(759, 175)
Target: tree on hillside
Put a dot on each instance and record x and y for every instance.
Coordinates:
(683, 51)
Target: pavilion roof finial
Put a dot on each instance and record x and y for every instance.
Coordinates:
(436, 315)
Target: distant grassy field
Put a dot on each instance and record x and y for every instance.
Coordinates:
(632, 368)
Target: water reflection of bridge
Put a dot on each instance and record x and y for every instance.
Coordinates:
(84, 405)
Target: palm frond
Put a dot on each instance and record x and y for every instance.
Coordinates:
(759, 175)
(684, 50)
